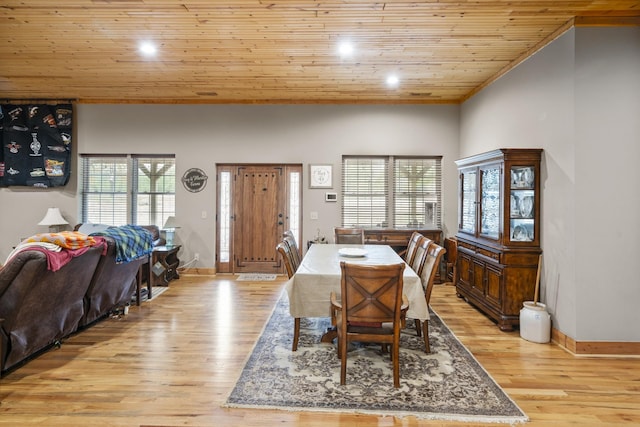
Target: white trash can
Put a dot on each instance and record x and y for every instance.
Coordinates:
(535, 322)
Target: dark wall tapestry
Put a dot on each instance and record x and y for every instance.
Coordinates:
(36, 144)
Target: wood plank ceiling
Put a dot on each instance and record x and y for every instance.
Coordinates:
(277, 51)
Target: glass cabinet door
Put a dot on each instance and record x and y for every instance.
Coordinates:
(521, 204)
(468, 200)
(490, 201)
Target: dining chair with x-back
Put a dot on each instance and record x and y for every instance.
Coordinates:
(369, 294)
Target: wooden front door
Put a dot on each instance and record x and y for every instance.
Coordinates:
(259, 218)
(259, 205)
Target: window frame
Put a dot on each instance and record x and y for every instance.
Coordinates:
(125, 210)
(399, 201)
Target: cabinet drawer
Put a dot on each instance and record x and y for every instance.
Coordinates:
(480, 251)
(493, 255)
(466, 245)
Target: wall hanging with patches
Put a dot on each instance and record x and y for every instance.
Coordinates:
(36, 144)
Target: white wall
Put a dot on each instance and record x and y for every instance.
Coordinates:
(203, 135)
(22, 208)
(607, 196)
(578, 99)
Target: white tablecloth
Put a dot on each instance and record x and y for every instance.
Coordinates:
(319, 274)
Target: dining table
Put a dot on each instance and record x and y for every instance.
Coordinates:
(319, 274)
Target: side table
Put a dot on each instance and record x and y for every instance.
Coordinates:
(164, 265)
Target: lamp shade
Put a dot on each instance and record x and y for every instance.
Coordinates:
(53, 217)
(171, 223)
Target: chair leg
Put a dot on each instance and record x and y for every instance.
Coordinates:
(425, 332)
(418, 330)
(395, 354)
(296, 333)
(342, 342)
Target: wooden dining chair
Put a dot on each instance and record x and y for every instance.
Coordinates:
(409, 253)
(290, 240)
(420, 255)
(370, 294)
(349, 236)
(287, 259)
(427, 277)
(451, 259)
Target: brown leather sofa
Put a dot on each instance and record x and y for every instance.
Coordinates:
(39, 306)
(112, 285)
(158, 240)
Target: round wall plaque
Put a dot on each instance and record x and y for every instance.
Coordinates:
(194, 180)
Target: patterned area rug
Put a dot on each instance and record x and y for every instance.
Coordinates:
(256, 277)
(447, 384)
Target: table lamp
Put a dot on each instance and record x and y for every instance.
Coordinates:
(54, 220)
(169, 228)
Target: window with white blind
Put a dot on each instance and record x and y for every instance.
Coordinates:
(154, 189)
(365, 191)
(391, 191)
(128, 189)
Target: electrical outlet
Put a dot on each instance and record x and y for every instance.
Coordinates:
(197, 257)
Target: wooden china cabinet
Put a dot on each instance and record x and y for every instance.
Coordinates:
(499, 231)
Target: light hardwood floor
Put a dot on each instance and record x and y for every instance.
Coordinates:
(172, 362)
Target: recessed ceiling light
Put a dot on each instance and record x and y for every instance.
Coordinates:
(345, 48)
(148, 48)
(393, 81)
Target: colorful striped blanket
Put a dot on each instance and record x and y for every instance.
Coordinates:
(132, 241)
(58, 253)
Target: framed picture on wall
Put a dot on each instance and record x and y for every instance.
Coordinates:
(320, 176)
